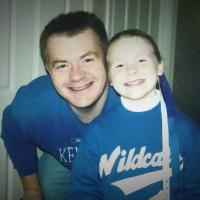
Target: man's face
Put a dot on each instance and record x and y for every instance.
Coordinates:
(76, 66)
(133, 68)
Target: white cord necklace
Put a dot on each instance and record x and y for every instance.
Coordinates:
(166, 150)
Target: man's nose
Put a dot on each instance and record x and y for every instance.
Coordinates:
(76, 73)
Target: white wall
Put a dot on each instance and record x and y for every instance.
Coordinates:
(21, 22)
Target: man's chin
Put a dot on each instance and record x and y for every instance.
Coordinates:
(81, 104)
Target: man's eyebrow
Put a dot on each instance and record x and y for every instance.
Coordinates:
(83, 56)
(89, 53)
(59, 61)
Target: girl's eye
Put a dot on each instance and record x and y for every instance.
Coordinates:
(119, 66)
(142, 60)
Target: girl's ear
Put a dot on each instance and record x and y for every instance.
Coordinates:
(160, 69)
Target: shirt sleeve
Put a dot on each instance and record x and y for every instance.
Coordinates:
(190, 149)
(86, 182)
(19, 146)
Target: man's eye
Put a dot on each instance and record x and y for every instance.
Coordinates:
(61, 66)
(87, 60)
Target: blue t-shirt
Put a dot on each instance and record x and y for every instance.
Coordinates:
(121, 157)
(39, 117)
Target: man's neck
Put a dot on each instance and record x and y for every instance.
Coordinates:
(86, 115)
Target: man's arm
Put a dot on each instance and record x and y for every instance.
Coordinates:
(31, 185)
(22, 151)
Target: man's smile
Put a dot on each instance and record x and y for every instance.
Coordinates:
(81, 87)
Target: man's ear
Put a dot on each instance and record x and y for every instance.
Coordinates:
(160, 69)
(110, 79)
(47, 69)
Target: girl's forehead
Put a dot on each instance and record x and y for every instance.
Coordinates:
(130, 44)
(131, 40)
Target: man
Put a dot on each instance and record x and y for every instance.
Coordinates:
(52, 111)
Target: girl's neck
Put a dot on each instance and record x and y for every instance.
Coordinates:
(141, 105)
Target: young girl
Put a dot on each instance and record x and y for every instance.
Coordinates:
(139, 149)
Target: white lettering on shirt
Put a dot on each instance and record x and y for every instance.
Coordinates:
(129, 160)
(67, 154)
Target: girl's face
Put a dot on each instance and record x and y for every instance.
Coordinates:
(133, 67)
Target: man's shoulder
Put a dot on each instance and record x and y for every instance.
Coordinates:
(33, 99)
(39, 87)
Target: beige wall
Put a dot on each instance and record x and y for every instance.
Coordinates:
(21, 22)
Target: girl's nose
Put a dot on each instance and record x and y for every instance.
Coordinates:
(131, 68)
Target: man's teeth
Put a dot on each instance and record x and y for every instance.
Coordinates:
(81, 87)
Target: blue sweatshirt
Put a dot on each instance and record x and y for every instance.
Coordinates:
(39, 117)
(121, 157)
